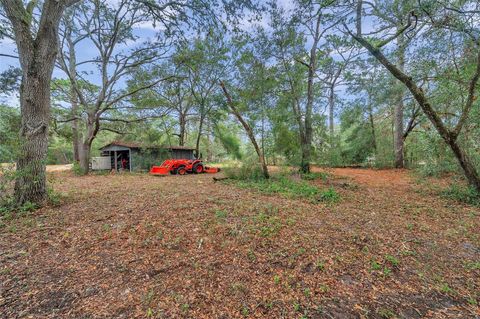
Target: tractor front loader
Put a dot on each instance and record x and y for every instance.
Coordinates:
(182, 167)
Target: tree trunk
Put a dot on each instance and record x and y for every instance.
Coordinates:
(312, 67)
(331, 107)
(37, 54)
(450, 137)
(30, 185)
(84, 157)
(305, 162)
(199, 135)
(74, 101)
(181, 135)
(372, 127)
(465, 162)
(85, 147)
(398, 114)
(248, 130)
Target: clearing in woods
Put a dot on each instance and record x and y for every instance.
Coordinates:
(137, 246)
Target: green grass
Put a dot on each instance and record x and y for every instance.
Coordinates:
(463, 194)
(289, 187)
(313, 176)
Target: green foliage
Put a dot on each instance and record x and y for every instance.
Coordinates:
(77, 170)
(267, 223)
(249, 169)
(9, 130)
(392, 260)
(464, 194)
(317, 175)
(221, 214)
(283, 185)
(329, 196)
(229, 141)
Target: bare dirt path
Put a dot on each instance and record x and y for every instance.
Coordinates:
(136, 246)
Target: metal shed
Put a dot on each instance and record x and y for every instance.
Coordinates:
(134, 156)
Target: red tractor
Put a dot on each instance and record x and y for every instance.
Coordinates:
(182, 167)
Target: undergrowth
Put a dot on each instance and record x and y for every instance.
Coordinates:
(289, 187)
(463, 194)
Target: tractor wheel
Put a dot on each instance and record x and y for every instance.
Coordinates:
(198, 168)
(181, 170)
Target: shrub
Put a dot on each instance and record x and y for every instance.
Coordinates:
(247, 170)
(464, 194)
(77, 170)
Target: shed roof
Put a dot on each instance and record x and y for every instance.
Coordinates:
(135, 145)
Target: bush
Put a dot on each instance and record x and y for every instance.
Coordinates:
(77, 170)
(464, 194)
(7, 178)
(249, 169)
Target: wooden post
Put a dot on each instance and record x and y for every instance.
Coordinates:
(115, 155)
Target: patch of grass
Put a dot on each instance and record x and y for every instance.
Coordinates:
(27, 207)
(251, 255)
(386, 271)
(386, 313)
(245, 312)
(314, 176)
(267, 223)
(329, 196)
(324, 288)
(185, 307)
(307, 292)
(446, 289)
(296, 306)
(54, 198)
(290, 188)
(392, 260)
(375, 266)
(472, 301)
(221, 214)
(160, 234)
(320, 265)
(280, 185)
(473, 265)
(463, 194)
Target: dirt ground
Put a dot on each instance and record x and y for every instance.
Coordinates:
(137, 246)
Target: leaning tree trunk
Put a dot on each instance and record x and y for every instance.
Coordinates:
(248, 130)
(398, 114)
(465, 163)
(450, 138)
